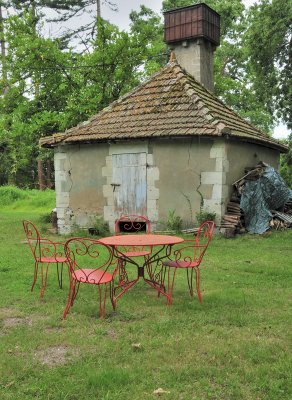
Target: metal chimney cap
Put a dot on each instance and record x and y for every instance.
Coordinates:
(191, 6)
(190, 23)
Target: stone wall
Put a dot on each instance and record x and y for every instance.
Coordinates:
(181, 175)
(196, 57)
(79, 185)
(182, 163)
(62, 187)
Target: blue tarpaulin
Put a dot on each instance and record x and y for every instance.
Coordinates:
(260, 196)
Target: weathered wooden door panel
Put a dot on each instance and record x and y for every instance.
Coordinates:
(129, 183)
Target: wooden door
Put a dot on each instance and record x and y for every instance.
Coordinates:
(129, 184)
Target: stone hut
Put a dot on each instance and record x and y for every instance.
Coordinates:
(169, 144)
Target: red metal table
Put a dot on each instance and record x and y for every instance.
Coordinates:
(161, 248)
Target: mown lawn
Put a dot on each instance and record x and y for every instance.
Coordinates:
(233, 346)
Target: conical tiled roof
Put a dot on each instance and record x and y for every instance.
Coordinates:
(170, 104)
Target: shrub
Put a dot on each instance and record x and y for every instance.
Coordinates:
(205, 215)
(45, 218)
(101, 227)
(11, 194)
(174, 222)
(15, 198)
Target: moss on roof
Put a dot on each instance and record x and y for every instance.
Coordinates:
(170, 104)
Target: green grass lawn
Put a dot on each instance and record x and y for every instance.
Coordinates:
(235, 345)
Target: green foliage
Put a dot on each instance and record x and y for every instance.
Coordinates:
(268, 41)
(50, 90)
(11, 194)
(113, 64)
(147, 29)
(20, 199)
(173, 222)
(101, 227)
(45, 218)
(205, 215)
(286, 163)
(34, 103)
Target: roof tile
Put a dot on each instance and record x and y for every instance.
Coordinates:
(171, 104)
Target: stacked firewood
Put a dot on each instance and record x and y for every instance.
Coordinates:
(288, 207)
(282, 220)
(233, 220)
(277, 224)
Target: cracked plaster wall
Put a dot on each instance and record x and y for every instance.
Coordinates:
(179, 173)
(182, 164)
(79, 183)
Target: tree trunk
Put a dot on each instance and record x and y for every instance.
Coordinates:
(49, 174)
(11, 179)
(34, 14)
(3, 52)
(41, 176)
(98, 10)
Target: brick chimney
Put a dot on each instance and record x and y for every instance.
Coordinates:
(193, 33)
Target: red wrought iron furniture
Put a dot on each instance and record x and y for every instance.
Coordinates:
(90, 262)
(129, 224)
(161, 245)
(133, 224)
(45, 252)
(189, 258)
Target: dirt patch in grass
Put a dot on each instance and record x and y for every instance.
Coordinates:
(5, 311)
(54, 328)
(111, 333)
(54, 355)
(11, 322)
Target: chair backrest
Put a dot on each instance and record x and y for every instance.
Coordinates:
(33, 238)
(203, 238)
(191, 251)
(90, 258)
(132, 224)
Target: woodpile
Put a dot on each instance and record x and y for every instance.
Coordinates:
(233, 220)
(189, 231)
(282, 220)
(288, 207)
(277, 225)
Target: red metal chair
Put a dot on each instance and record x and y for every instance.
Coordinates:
(131, 224)
(189, 257)
(90, 262)
(45, 253)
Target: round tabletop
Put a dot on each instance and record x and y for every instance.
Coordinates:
(147, 239)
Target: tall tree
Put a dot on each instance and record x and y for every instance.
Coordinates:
(286, 163)
(3, 50)
(70, 88)
(65, 11)
(269, 41)
(33, 105)
(3, 85)
(104, 74)
(147, 31)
